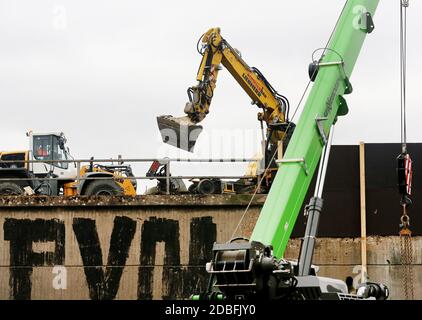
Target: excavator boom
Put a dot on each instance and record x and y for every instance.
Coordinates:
(182, 132)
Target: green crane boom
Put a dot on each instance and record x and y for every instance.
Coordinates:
(256, 269)
(324, 104)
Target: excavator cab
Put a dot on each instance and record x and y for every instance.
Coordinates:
(179, 132)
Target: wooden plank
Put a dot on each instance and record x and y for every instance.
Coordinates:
(363, 209)
(280, 150)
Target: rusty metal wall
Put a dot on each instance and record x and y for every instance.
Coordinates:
(341, 214)
(151, 247)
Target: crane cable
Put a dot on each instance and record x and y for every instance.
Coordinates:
(403, 59)
(406, 248)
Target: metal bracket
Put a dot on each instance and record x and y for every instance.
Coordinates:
(298, 160)
(366, 22)
(343, 109)
(314, 67)
(348, 85)
(328, 64)
(320, 127)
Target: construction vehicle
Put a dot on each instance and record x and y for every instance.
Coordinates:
(47, 168)
(205, 186)
(182, 132)
(255, 268)
(158, 171)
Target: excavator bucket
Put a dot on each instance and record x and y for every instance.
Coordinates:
(179, 132)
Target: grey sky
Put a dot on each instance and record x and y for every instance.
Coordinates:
(101, 71)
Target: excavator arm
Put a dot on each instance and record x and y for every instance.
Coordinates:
(182, 132)
(218, 51)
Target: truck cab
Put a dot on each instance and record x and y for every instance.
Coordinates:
(51, 148)
(16, 176)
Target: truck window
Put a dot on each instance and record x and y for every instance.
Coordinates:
(48, 148)
(59, 154)
(42, 148)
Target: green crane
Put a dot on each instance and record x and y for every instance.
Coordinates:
(324, 104)
(255, 268)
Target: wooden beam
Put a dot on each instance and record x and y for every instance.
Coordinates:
(363, 210)
(280, 150)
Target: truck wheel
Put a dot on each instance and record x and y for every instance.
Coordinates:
(192, 188)
(205, 186)
(103, 188)
(10, 189)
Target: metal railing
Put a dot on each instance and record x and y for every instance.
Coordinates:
(79, 163)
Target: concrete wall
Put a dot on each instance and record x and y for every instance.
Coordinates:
(125, 248)
(150, 247)
(341, 257)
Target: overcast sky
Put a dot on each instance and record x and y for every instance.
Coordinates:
(101, 71)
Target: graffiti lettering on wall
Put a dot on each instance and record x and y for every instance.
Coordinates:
(103, 276)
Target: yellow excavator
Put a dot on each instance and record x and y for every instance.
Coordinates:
(182, 132)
